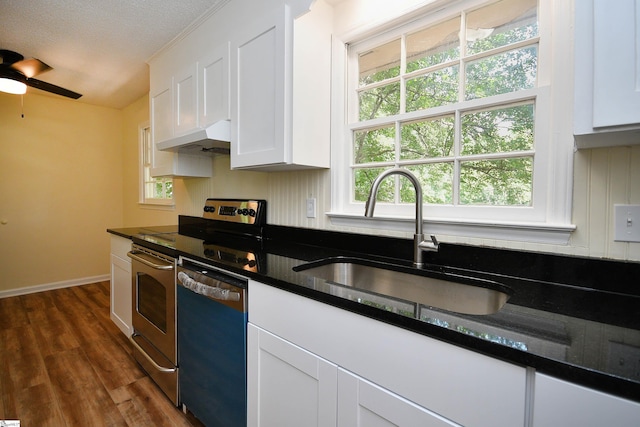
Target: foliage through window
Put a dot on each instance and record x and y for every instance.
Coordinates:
(453, 101)
(158, 190)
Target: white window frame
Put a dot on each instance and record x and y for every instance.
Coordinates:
(549, 220)
(144, 138)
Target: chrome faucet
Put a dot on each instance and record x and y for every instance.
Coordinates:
(419, 244)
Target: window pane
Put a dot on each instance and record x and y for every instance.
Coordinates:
(377, 145)
(433, 45)
(168, 189)
(158, 190)
(363, 180)
(427, 139)
(498, 131)
(503, 182)
(507, 72)
(501, 23)
(433, 90)
(148, 189)
(380, 102)
(379, 63)
(436, 180)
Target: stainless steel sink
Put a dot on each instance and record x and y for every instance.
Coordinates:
(452, 292)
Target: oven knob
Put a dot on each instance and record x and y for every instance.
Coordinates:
(244, 212)
(252, 212)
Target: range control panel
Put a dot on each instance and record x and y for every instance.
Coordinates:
(251, 212)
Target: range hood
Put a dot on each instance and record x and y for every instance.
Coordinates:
(211, 140)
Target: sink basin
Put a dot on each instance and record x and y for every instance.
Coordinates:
(452, 292)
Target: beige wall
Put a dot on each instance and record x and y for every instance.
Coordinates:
(60, 187)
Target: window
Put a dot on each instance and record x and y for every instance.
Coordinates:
(154, 191)
(460, 97)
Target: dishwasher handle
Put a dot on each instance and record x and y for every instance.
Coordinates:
(206, 290)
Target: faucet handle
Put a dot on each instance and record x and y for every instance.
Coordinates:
(433, 245)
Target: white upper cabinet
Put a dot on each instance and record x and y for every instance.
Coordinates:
(280, 89)
(187, 94)
(185, 89)
(213, 81)
(163, 101)
(607, 76)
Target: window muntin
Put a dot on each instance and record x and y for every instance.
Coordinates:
(467, 135)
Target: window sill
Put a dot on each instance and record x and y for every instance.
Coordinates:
(553, 234)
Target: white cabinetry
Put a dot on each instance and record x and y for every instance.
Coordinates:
(183, 99)
(185, 89)
(607, 80)
(121, 284)
(213, 84)
(288, 386)
(364, 404)
(437, 377)
(560, 403)
(280, 89)
(166, 116)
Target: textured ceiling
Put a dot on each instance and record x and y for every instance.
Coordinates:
(98, 48)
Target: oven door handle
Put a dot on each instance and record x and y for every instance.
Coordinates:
(144, 353)
(134, 255)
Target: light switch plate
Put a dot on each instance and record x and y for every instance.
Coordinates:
(311, 208)
(627, 223)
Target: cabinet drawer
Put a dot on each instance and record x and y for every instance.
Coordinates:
(120, 246)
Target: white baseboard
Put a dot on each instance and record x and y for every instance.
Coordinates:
(54, 285)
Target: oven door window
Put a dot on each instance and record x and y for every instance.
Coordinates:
(152, 301)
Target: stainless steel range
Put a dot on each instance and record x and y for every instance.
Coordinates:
(153, 276)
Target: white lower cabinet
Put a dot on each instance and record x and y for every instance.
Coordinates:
(288, 386)
(385, 375)
(120, 304)
(364, 404)
(291, 387)
(563, 404)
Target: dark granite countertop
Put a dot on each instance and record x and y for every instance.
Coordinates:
(574, 318)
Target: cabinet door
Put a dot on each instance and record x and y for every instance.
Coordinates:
(161, 129)
(287, 385)
(364, 404)
(616, 50)
(261, 82)
(213, 84)
(186, 99)
(121, 294)
(560, 403)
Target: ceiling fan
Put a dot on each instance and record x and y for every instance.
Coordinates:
(16, 72)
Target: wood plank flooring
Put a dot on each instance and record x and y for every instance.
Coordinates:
(64, 363)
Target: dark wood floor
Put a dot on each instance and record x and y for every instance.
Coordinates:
(64, 363)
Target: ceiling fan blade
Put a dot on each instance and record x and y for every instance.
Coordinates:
(9, 57)
(48, 87)
(31, 67)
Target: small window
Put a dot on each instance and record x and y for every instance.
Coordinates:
(153, 191)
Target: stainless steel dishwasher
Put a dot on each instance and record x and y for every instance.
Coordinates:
(212, 337)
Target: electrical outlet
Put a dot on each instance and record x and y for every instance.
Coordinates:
(311, 208)
(627, 223)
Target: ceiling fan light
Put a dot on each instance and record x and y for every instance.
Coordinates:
(12, 86)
